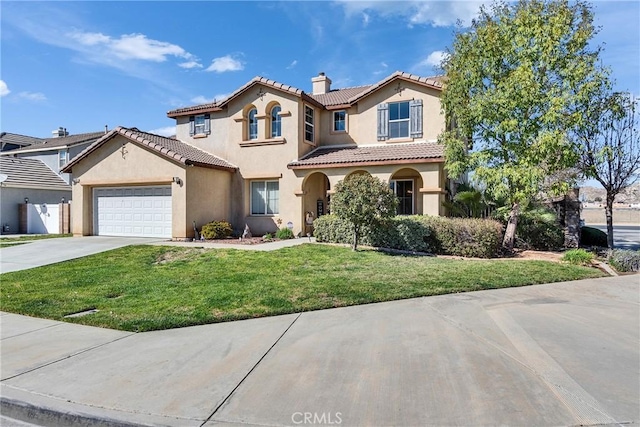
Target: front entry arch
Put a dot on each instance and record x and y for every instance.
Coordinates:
(316, 198)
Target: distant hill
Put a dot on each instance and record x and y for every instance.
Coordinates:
(630, 195)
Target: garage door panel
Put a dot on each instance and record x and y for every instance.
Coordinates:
(134, 211)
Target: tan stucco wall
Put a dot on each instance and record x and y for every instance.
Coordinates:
(120, 162)
(267, 159)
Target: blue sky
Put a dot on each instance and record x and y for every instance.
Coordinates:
(83, 65)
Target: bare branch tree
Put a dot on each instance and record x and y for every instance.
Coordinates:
(611, 147)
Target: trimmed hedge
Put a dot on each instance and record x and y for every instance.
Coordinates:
(590, 236)
(216, 230)
(468, 237)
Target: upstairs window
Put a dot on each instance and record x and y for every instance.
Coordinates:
(400, 120)
(252, 122)
(276, 122)
(308, 124)
(200, 124)
(63, 158)
(340, 121)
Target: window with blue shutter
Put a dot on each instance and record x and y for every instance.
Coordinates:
(416, 118)
(383, 121)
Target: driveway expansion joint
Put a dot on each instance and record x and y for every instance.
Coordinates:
(250, 371)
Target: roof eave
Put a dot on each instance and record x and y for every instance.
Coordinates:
(293, 166)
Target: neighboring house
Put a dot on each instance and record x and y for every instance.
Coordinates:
(13, 141)
(27, 180)
(269, 155)
(55, 152)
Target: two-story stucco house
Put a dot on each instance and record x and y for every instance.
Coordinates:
(268, 154)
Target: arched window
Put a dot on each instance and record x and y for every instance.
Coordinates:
(253, 124)
(276, 122)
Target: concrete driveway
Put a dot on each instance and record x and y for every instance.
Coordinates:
(559, 354)
(50, 251)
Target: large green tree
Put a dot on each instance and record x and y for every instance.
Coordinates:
(516, 83)
(364, 201)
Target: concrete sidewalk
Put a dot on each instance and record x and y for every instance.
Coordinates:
(557, 354)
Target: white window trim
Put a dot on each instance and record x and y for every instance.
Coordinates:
(333, 122)
(408, 120)
(313, 128)
(251, 137)
(63, 162)
(199, 129)
(264, 181)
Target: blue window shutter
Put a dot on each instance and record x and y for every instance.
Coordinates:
(383, 121)
(192, 125)
(207, 124)
(415, 118)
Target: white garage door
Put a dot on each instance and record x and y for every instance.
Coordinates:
(133, 211)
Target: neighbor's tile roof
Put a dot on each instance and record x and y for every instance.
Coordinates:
(30, 173)
(168, 147)
(17, 139)
(373, 154)
(63, 141)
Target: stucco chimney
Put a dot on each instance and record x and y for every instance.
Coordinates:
(60, 132)
(321, 84)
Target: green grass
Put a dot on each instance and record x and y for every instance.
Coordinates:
(6, 242)
(141, 288)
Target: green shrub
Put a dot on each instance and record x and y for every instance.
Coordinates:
(467, 237)
(267, 237)
(216, 230)
(625, 260)
(578, 257)
(284, 233)
(537, 228)
(590, 236)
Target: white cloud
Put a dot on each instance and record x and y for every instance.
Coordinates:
(433, 60)
(4, 89)
(204, 100)
(33, 96)
(165, 131)
(131, 46)
(224, 64)
(293, 64)
(190, 64)
(365, 19)
(434, 13)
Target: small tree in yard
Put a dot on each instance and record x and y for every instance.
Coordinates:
(610, 147)
(364, 201)
(516, 81)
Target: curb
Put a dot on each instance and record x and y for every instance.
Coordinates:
(26, 412)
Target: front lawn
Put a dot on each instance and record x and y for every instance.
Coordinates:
(141, 288)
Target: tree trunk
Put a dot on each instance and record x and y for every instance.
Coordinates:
(510, 233)
(356, 232)
(608, 212)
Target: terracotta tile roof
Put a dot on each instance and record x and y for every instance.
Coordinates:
(415, 152)
(335, 97)
(30, 173)
(168, 147)
(434, 82)
(63, 141)
(213, 106)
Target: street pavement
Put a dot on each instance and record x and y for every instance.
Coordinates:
(559, 354)
(625, 236)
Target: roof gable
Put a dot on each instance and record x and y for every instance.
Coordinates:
(169, 148)
(60, 142)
